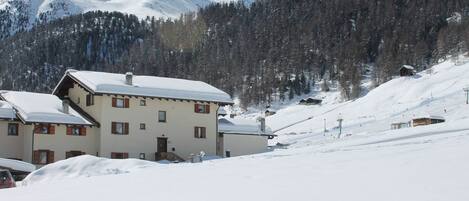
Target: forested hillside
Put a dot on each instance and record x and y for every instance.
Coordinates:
(273, 49)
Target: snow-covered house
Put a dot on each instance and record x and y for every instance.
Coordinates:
(242, 137)
(42, 128)
(407, 70)
(427, 120)
(146, 117)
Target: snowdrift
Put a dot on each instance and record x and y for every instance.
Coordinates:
(85, 166)
(17, 165)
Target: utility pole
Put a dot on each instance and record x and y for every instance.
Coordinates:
(325, 129)
(340, 120)
(466, 90)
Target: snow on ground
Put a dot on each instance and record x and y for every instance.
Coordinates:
(428, 163)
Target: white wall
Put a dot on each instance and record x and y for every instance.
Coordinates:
(179, 128)
(11, 146)
(240, 145)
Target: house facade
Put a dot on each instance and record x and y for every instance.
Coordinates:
(114, 116)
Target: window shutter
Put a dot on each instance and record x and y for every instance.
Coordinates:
(69, 130)
(125, 155)
(36, 156)
(113, 155)
(126, 103)
(126, 128)
(51, 129)
(114, 102)
(196, 108)
(50, 157)
(83, 131)
(207, 109)
(37, 129)
(202, 130)
(68, 154)
(196, 132)
(113, 127)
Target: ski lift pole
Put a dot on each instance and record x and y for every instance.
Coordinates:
(466, 90)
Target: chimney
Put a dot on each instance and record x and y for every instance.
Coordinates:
(66, 106)
(262, 120)
(128, 78)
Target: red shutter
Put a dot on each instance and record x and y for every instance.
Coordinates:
(196, 108)
(113, 127)
(113, 155)
(50, 157)
(126, 103)
(114, 102)
(126, 128)
(69, 130)
(83, 131)
(207, 109)
(125, 155)
(37, 129)
(51, 129)
(36, 155)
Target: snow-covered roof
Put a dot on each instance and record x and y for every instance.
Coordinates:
(222, 111)
(408, 67)
(428, 116)
(42, 108)
(241, 126)
(6, 111)
(16, 165)
(151, 86)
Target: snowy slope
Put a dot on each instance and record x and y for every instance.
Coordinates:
(141, 8)
(426, 163)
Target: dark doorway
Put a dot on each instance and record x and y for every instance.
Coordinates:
(162, 145)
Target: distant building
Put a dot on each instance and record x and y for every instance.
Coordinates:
(427, 120)
(310, 101)
(270, 112)
(241, 137)
(407, 70)
(400, 125)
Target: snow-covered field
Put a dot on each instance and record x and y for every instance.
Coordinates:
(372, 163)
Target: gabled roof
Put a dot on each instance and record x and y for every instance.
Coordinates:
(42, 108)
(146, 86)
(428, 116)
(6, 111)
(242, 126)
(408, 67)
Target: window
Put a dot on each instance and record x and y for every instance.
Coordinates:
(142, 126)
(13, 129)
(44, 129)
(118, 155)
(120, 128)
(120, 102)
(201, 108)
(89, 100)
(78, 100)
(162, 116)
(143, 103)
(142, 156)
(76, 130)
(43, 157)
(200, 132)
(71, 154)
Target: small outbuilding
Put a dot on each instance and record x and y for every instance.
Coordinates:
(310, 101)
(237, 137)
(270, 112)
(407, 70)
(400, 125)
(427, 120)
